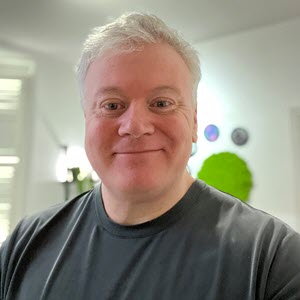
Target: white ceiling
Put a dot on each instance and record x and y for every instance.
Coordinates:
(58, 27)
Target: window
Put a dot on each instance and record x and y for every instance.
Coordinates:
(10, 97)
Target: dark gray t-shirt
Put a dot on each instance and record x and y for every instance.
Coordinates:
(208, 246)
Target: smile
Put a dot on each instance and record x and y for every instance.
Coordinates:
(137, 152)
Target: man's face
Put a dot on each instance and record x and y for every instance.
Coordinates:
(140, 119)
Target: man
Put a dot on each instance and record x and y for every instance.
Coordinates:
(149, 231)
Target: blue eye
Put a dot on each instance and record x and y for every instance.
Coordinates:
(112, 106)
(162, 103)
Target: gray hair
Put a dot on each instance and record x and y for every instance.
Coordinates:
(129, 33)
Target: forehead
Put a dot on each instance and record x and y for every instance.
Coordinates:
(151, 67)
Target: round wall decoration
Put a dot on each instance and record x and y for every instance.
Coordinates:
(228, 173)
(239, 136)
(211, 132)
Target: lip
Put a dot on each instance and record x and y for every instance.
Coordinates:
(136, 152)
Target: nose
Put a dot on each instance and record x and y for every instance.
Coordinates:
(136, 121)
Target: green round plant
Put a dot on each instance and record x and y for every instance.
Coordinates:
(228, 173)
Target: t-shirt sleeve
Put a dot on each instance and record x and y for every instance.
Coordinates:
(3, 266)
(284, 277)
(8, 251)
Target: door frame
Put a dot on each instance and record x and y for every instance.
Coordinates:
(295, 134)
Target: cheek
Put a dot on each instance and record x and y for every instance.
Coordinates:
(93, 137)
(94, 129)
(179, 137)
(88, 143)
(90, 130)
(99, 137)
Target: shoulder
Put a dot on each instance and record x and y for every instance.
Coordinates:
(59, 211)
(45, 231)
(271, 246)
(232, 212)
(57, 216)
(238, 224)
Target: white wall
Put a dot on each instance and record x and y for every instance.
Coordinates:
(252, 80)
(57, 120)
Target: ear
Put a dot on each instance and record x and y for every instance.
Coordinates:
(195, 126)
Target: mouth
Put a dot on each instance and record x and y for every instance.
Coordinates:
(137, 152)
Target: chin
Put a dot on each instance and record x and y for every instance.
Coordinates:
(137, 184)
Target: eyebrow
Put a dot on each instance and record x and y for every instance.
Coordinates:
(166, 88)
(116, 90)
(109, 90)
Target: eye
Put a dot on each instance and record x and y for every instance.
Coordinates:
(163, 105)
(112, 106)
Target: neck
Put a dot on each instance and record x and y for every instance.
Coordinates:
(132, 209)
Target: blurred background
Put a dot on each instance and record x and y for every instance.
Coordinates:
(250, 57)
